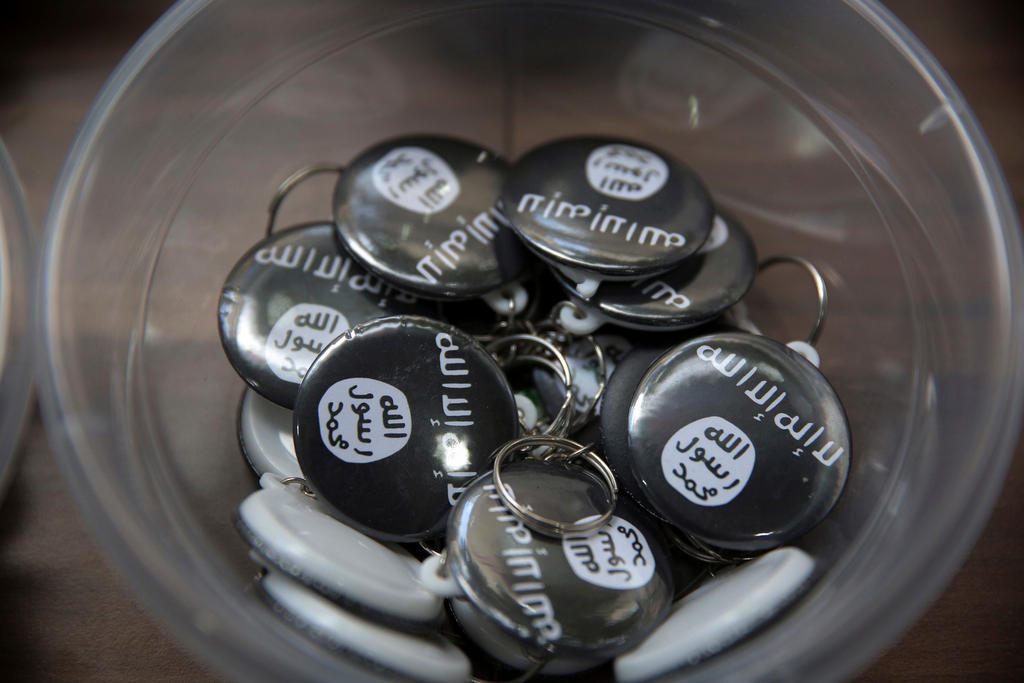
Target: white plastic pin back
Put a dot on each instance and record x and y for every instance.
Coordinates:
(265, 434)
(294, 532)
(527, 412)
(578, 321)
(437, 579)
(425, 658)
(807, 351)
(718, 614)
(586, 283)
(510, 300)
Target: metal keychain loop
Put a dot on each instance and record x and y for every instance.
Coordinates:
(520, 343)
(819, 285)
(560, 424)
(540, 523)
(552, 324)
(289, 183)
(602, 381)
(583, 416)
(431, 551)
(301, 483)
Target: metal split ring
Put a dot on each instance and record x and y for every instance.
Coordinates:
(301, 483)
(819, 286)
(290, 182)
(550, 325)
(431, 551)
(582, 417)
(563, 420)
(570, 451)
(560, 424)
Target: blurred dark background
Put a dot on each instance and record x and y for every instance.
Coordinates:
(64, 612)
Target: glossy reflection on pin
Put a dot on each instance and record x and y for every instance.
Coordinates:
(573, 601)
(287, 298)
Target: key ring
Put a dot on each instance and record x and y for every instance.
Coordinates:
(561, 422)
(545, 525)
(289, 184)
(819, 286)
(602, 381)
(564, 418)
(301, 483)
(425, 547)
(553, 324)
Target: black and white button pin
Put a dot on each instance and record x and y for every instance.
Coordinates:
(394, 418)
(614, 419)
(606, 209)
(297, 535)
(737, 440)
(265, 436)
(692, 293)
(572, 601)
(422, 213)
(288, 297)
(422, 657)
(719, 613)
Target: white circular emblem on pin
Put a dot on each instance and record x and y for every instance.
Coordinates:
(626, 172)
(616, 556)
(416, 179)
(298, 336)
(364, 420)
(709, 461)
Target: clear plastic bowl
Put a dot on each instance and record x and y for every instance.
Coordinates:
(16, 281)
(824, 126)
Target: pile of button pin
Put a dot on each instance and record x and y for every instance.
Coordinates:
(377, 405)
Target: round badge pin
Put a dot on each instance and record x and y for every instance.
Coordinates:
(265, 436)
(297, 535)
(421, 212)
(614, 419)
(695, 292)
(738, 441)
(606, 209)
(719, 613)
(288, 297)
(425, 657)
(571, 601)
(394, 418)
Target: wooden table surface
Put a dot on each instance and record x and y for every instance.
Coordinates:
(65, 613)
